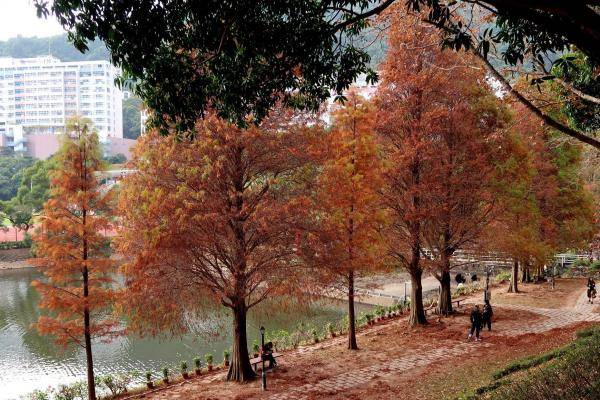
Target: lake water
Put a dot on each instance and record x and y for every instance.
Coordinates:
(29, 361)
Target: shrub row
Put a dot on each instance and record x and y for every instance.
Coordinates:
(21, 244)
(115, 385)
(308, 334)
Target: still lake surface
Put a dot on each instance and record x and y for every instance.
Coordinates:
(29, 361)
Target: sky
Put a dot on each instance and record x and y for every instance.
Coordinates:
(18, 17)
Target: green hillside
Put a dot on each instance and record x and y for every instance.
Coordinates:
(58, 46)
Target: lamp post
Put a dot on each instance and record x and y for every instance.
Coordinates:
(262, 357)
(486, 293)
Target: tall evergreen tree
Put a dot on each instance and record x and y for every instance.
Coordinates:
(349, 217)
(72, 252)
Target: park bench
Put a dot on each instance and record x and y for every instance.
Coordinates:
(257, 360)
(432, 308)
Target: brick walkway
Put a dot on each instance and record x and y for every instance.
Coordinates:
(361, 376)
(584, 306)
(555, 318)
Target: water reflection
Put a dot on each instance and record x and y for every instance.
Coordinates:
(29, 361)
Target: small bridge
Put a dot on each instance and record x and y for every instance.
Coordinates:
(497, 259)
(108, 179)
(568, 259)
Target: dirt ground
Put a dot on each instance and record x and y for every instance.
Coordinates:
(564, 294)
(392, 339)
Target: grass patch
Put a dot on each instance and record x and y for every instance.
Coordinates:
(569, 372)
(530, 362)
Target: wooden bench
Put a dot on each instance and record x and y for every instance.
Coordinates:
(432, 308)
(257, 360)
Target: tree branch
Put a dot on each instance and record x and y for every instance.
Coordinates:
(359, 17)
(567, 85)
(531, 107)
(574, 133)
(577, 92)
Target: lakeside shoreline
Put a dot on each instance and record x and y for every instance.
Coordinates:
(15, 259)
(10, 265)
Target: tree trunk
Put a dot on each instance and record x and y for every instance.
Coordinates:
(88, 336)
(417, 313)
(526, 273)
(539, 277)
(240, 369)
(514, 278)
(89, 358)
(86, 321)
(445, 301)
(351, 315)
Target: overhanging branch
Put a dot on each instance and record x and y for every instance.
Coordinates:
(577, 92)
(359, 17)
(567, 130)
(531, 107)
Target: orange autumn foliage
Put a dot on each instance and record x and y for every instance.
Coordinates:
(73, 255)
(408, 118)
(440, 125)
(213, 225)
(346, 240)
(544, 205)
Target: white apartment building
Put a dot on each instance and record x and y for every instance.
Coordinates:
(41, 94)
(12, 136)
(143, 120)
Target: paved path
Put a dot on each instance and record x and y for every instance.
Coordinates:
(362, 376)
(584, 306)
(554, 318)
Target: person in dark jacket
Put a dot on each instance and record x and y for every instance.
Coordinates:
(267, 354)
(591, 291)
(475, 323)
(487, 314)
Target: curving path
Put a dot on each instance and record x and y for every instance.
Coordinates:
(555, 318)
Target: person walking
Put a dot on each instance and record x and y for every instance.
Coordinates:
(475, 323)
(591, 290)
(487, 314)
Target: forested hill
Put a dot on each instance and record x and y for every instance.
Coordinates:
(58, 46)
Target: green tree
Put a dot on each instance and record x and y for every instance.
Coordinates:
(131, 117)
(35, 184)
(577, 82)
(33, 191)
(116, 159)
(19, 214)
(11, 170)
(242, 57)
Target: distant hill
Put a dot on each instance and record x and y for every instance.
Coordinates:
(58, 46)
